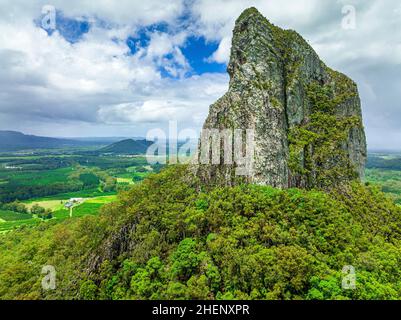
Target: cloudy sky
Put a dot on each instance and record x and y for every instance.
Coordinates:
(120, 68)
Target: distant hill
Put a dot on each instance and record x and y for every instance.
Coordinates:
(128, 146)
(102, 140)
(15, 141)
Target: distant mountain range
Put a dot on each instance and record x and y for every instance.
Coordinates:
(15, 141)
(11, 141)
(127, 146)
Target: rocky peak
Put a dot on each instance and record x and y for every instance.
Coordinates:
(306, 118)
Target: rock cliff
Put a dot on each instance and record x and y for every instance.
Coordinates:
(306, 118)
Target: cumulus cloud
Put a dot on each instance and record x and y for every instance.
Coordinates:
(46, 78)
(222, 54)
(185, 101)
(100, 86)
(150, 111)
(125, 12)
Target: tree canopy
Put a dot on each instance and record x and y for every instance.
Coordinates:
(166, 239)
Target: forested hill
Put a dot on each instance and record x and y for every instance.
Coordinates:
(165, 239)
(128, 146)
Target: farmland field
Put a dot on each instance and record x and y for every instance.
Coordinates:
(88, 207)
(13, 216)
(384, 170)
(35, 188)
(47, 204)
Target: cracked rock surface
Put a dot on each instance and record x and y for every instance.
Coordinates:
(306, 117)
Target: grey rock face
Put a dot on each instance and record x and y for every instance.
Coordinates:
(282, 90)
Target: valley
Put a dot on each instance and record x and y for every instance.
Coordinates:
(46, 180)
(384, 169)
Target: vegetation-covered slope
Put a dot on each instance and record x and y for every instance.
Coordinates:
(128, 146)
(165, 239)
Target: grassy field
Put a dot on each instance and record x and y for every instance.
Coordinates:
(131, 175)
(91, 206)
(88, 207)
(125, 180)
(79, 211)
(87, 193)
(58, 204)
(10, 225)
(49, 178)
(13, 216)
(47, 204)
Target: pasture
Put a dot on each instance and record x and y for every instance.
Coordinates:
(91, 206)
(50, 178)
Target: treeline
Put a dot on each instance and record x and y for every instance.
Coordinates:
(107, 162)
(43, 163)
(383, 163)
(56, 162)
(94, 177)
(15, 206)
(41, 212)
(21, 208)
(10, 192)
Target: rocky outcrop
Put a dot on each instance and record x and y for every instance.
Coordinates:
(114, 245)
(306, 118)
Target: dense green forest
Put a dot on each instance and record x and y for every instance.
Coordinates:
(166, 239)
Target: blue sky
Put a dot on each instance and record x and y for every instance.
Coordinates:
(196, 48)
(122, 69)
(71, 29)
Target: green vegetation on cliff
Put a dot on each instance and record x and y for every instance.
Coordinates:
(164, 239)
(317, 146)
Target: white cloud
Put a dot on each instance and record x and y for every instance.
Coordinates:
(151, 111)
(222, 54)
(128, 12)
(164, 50)
(48, 77)
(186, 101)
(47, 81)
